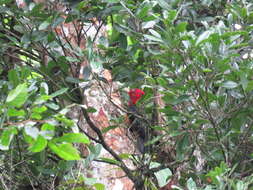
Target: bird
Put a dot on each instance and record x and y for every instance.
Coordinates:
(138, 124)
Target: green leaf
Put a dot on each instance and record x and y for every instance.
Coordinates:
(205, 35)
(57, 21)
(125, 156)
(154, 140)
(123, 41)
(65, 151)
(73, 138)
(207, 70)
(51, 37)
(39, 145)
(53, 106)
(99, 186)
(38, 8)
(7, 136)
(91, 110)
(13, 77)
(181, 99)
(182, 147)
(44, 25)
(217, 172)
(209, 187)
(162, 81)
(86, 72)
(32, 131)
(65, 121)
(36, 116)
(74, 80)
(112, 1)
(12, 112)
(148, 24)
(181, 27)
(191, 185)
(39, 109)
(233, 33)
(109, 160)
(19, 28)
(249, 86)
(59, 92)
(169, 111)
(236, 94)
(18, 96)
(163, 175)
(105, 130)
(2, 2)
(163, 4)
(81, 5)
(229, 84)
(96, 66)
(26, 39)
(152, 38)
(72, 59)
(90, 181)
(25, 73)
(47, 127)
(142, 12)
(95, 150)
(47, 130)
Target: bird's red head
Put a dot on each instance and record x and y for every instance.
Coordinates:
(135, 95)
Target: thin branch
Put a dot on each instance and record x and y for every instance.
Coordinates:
(106, 147)
(98, 30)
(207, 108)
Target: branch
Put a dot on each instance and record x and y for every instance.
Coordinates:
(106, 147)
(207, 108)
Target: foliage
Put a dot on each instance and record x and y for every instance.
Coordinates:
(196, 55)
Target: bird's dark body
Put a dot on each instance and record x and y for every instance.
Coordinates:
(140, 128)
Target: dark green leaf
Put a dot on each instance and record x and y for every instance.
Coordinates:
(123, 41)
(91, 110)
(57, 21)
(13, 77)
(110, 161)
(59, 92)
(74, 80)
(182, 147)
(105, 130)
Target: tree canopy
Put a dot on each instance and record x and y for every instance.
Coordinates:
(193, 59)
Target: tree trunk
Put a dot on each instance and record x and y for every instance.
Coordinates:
(103, 96)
